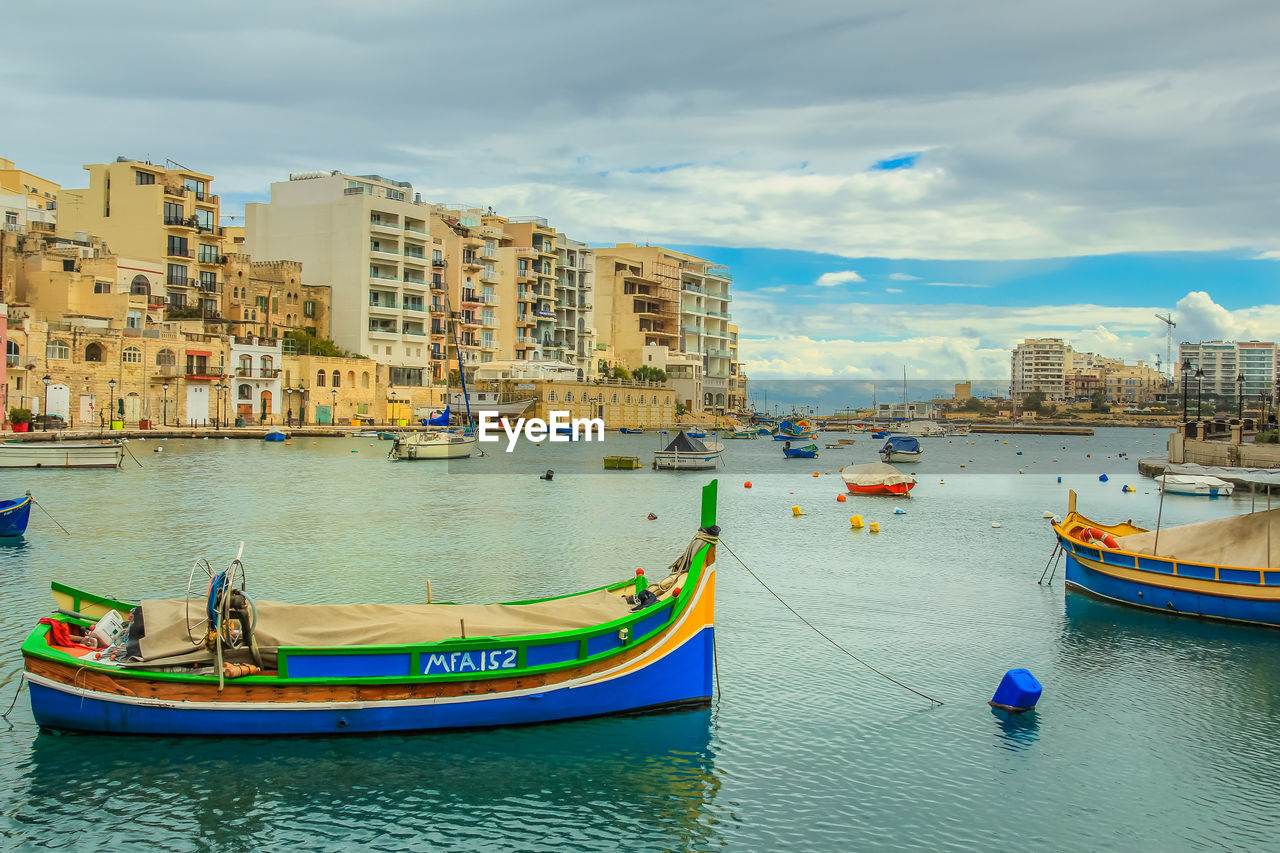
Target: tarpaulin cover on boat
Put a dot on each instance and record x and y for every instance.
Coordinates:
(1240, 540)
(326, 625)
(685, 444)
(903, 443)
(441, 420)
(875, 474)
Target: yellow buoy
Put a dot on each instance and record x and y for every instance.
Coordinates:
(795, 510)
(855, 521)
(873, 527)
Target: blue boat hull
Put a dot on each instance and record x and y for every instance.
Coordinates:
(274, 436)
(681, 677)
(800, 454)
(1168, 600)
(14, 516)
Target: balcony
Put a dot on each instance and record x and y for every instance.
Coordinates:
(471, 262)
(180, 221)
(488, 253)
(413, 229)
(385, 303)
(211, 286)
(489, 275)
(414, 306)
(389, 251)
(383, 225)
(439, 263)
(383, 329)
(257, 373)
(174, 281)
(416, 332)
(378, 276)
(179, 252)
(411, 281)
(156, 300)
(470, 297)
(204, 371)
(206, 258)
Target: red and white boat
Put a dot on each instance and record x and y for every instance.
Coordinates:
(877, 478)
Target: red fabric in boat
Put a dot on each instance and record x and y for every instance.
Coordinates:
(59, 637)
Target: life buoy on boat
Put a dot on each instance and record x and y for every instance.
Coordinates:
(1094, 536)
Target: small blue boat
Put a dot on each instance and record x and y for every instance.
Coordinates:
(878, 434)
(901, 448)
(629, 431)
(274, 436)
(764, 431)
(14, 515)
(809, 451)
(696, 434)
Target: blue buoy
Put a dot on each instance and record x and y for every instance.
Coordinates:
(1059, 479)
(1019, 452)
(1018, 691)
(1102, 478)
(899, 511)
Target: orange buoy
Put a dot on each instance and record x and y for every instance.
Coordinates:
(841, 498)
(815, 473)
(747, 484)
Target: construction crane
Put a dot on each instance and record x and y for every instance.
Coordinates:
(1167, 319)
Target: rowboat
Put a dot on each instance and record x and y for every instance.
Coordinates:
(901, 448)
(1190, 484)
(621, 463)
(741, 434)
(61, 454)
(688, 454)
(809, 451)
(431, 444)
(877, 478)
(274, 436)
(14, 516)
(629, 431)
(1219, 569)
(228, 666)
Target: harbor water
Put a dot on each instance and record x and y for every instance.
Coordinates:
(1154, 731)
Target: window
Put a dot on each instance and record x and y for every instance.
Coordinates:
(133, 319)
(351, 379)
(140, 286)
(275, 305)
(208, 280)
(195, 186)
(267, 363)
(337, 379)
(204, 220)
(131, 355)
(165, 358)
(568, 396)
(208, 254)
(244, 392)
(140, 178)
(551, 397)
(57, 350)
(246, 314)
(615, 399)
(177, 275)
(174, 214)
(319, 378)
(178, 247)
(246, 365)
(102, 287)
(308, 309)
(364, 379)
(93, 352)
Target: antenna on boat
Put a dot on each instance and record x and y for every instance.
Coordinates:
(1155, 545)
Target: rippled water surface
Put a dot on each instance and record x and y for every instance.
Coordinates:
(1154, 731)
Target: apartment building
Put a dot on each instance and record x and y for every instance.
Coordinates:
(1040, 364)
(265, 299)
(472, 277)
(154, 213)
(651, 296)
(1257, 360)
(1219, 361)
(575, 310)
(27, 202)
(737, 400)
(368, 238)
(537, 259)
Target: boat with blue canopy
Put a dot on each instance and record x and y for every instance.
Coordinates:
(901, 448)
(222, 664)
(14, 516)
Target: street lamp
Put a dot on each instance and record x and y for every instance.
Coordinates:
(333, 410)
(111, 400)
(164, 409)
(392, 417)
(1240, 396)
(217, 405)
(1199, 385)
(1186, 371)
(45, 408)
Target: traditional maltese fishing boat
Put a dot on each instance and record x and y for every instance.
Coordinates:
(224, 664)
(1219, 569)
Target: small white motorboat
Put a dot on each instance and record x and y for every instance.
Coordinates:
(431, 444)
(1195, 484)
(688, 454)
(61, 454)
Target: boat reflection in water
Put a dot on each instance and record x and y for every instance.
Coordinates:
(640, 782)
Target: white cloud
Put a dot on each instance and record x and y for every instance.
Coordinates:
(834, 279)
(952, 284)
(901, 276)
(778, 289)
(1273, 255)
(969, 341)
(893, 290)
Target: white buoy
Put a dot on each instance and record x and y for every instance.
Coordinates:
(1046, 514)
(157, 450)
(995, 524)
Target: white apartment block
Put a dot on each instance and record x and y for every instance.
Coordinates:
(704, 326)
(367, 238)
(575, 339)
(1040, 364)
(1221, 362)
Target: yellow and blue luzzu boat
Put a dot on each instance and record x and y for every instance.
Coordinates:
(222, 664)
(1219, 569)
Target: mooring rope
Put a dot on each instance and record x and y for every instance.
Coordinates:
(21, 681)
(51, 518)
(819, 632)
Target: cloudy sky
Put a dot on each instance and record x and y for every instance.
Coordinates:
(892, 181)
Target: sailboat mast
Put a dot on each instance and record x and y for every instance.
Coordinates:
(462, 374)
